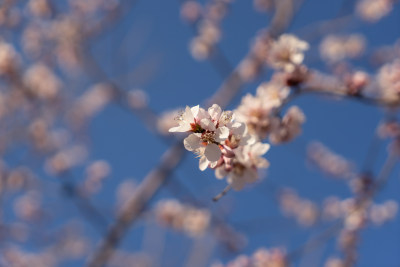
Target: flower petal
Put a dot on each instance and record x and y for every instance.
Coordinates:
(260, 149)
(220, 172)
(207, 124)
(195, 111)
(188, 115)
(192, 142)
(212, 152)
(185, 127)
(222, 134)
(215, 112)
(203, 163)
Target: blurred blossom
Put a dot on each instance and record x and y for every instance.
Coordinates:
(289, 127)
(334, 262)
(328, 162)
(17, 257)
(33, 40)
(137, 99)
(66, 159)
(356, 219)
(10, 16)
(388, 79)
(200, 48)
(9, 59)
(40, 8)
(381, 213)
(347, 239)
(304, 211)
(373, 10)
(332, 208)
(27, 207)
(96, 172)
(258, 111)
(182, 217)
(287, 53)
(209, 32)
(191, 11)
(334, 48)
(356, 82)
(167, 120)
(260, 258)
(263, 5)
(42, 82)
(19, 178)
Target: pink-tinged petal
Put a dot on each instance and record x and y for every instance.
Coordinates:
(207, 124)
(188, 115)
(215, 112)
(181, 128)
(220, 172)
(213, 164)
(222, 134)
(239, 128)
(203, 163)
(202, 114)
(260, 148)
(195, 111)
(262, 163)
(297, 58)
(212, 152)
(192, 142)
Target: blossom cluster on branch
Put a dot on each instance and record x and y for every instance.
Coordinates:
(223, 144)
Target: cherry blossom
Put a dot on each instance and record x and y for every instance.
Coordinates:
(287, 52)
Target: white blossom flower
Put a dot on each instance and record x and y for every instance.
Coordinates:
(388, 80)
(273, 93)
(289, 127)
(258, 112)
(244, 169)
(287, 52)
(188, 120)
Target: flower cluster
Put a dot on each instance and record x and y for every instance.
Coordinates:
(223, 144)
(263, 257)
(287, 53)
(388, 79)
(304, 211)
(188, 219)
(335, 48)
(260, 113)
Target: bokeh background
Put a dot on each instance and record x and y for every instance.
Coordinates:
(146, 51)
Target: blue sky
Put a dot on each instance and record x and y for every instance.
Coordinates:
(153, 37)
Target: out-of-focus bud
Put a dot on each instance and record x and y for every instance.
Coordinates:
(356, 82)
(137, 99)
(9, 59)
(373, 10)
(42, 82)
(191, 11)
(66, 159)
